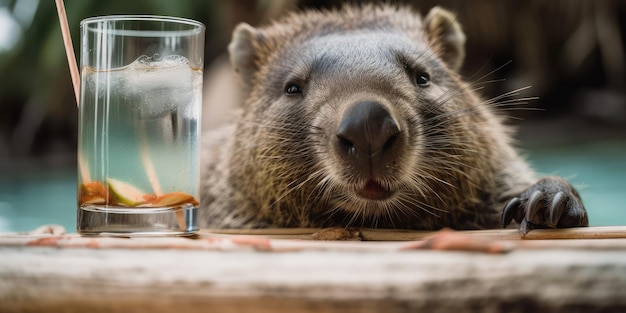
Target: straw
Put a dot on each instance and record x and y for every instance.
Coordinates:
(69, 49)
(83, 168)
(147, 163)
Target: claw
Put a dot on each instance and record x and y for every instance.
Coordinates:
(556, 208)
(509, 211)
(524, 227)
(533, 205)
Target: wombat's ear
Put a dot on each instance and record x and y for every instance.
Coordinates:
(446, 36)
(242, 53)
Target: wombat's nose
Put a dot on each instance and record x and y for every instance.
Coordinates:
(366, 134)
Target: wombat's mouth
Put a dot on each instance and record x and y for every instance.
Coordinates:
(374, 191)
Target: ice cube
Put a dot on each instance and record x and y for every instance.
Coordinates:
(150, 87)
(157, 87)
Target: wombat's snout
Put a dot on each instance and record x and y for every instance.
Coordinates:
(367, 138)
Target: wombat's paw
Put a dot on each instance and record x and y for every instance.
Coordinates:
(550, 203)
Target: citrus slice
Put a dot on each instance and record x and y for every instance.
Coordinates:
(124, 193)
(92, 199)
(93, 193)
(174, 198)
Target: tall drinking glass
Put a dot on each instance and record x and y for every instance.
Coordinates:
(139, 125)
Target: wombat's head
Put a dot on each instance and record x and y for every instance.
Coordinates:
(358, 110)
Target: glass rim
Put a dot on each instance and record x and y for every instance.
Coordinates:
(143, 17)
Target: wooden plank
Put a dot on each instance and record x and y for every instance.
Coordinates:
(154, 280)
(389, 271)
(367, 234)
(374, 240)
(604, 232)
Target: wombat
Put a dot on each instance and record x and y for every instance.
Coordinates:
(357, 117)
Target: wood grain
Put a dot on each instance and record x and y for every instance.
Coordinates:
(574, 270)
(605, 232)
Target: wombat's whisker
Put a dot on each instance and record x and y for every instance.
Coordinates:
(470, 110)
(512, 103)
(295, 185)
(451, 94)
(493, 71)
(421, 206)
(514, 92)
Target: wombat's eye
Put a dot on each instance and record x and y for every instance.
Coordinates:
(293, 89)
(422, 79)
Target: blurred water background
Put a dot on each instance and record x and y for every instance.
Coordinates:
(570, 52)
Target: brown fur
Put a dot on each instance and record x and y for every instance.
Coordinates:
(454, 165)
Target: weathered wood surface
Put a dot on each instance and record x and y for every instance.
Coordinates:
(73, 274)
(603, 232)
